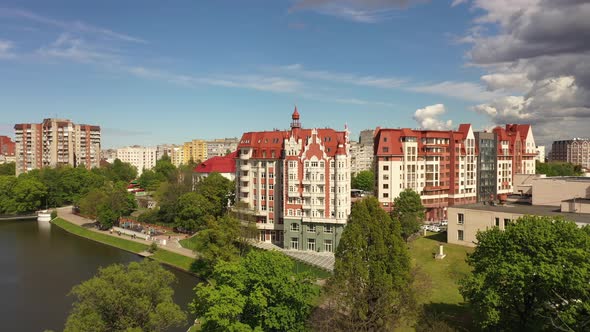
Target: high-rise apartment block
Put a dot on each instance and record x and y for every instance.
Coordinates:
(195, 151)
(575, 151)
(221, 147)
(439, 165)
(7, 149)
(486, 144)
(361, 152)
(56, 142)
(297, 184)
(142, 158)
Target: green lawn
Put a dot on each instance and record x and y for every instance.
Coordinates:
(189, 243)
(444, 298)
(174, 259)
(316, 272)
(102, 238)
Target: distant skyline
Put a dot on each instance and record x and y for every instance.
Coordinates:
(149, 73)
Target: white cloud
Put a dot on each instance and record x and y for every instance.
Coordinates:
(6, 47)
(458, 2)
(361, 80)
(515, 81)
(75, 26)
(362, 11)
(76, 49)
(461, 90)
(427, 118)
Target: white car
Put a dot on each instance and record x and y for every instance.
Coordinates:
(444, 223)
(435, 228)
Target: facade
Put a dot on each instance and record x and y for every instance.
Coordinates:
(164, 149)
(465, 221)
(56, 142)
(142, 158)
(297, 184)
(177, 155)
(505, 165)
(541, 154)
(7, 149)
(487, 163)
(361, 152)
(195, 150)
(441, 166)
(225, 165)
(575, 151)
(221, 147)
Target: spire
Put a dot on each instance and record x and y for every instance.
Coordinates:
(295, 123)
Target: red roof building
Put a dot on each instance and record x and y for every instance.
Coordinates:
(7, 146)
(226, 166)
(297, 184)
(439, 165)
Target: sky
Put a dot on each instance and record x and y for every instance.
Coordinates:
(152, 72)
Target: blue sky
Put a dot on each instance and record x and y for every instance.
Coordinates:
(149, 72)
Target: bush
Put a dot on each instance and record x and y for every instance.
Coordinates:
(153, 247)
(53, 214)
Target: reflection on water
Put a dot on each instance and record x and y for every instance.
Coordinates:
(39, 265)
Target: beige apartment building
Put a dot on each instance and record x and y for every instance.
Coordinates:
(575, 151)
(195, 150)
(56, 142)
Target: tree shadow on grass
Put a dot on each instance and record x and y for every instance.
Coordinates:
(200, 268)
(456, 317)
(439, 237)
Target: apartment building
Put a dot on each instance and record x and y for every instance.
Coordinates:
(56, 142)
(361, 152)
(297, 184)
(486, 144)
(7, 150)
(221, 147)
(195, 150)
(439, 165)
(142, 158)
(575, 151)
(177, 155)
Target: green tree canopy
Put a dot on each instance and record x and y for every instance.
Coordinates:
(192, 209)
(7, 202)
(533, 276)
(409, 211)
(371, 284)
(123, 298)
(364, 180)
(8, 169)
(217, 189)
(218, 241)
(556, 168)
(259, 293)
(112, 197)
(29, 195)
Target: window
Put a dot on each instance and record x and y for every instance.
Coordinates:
(460, 218)
(271, 187)
(385, 195)
(328, 245)
(311, 244)
(328, 229)
(386, 167)
(311, 228)
(295, 243)
(385, 186)
(385, 149)
(460, 235)
(497, 222)
(294, 227)
(506, 222)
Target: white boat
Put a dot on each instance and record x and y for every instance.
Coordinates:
(44, 215)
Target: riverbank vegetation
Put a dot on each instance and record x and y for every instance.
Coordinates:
(136, 297)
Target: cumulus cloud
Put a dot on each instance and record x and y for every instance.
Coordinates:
(427, 118)
(363, 11)
(540, 50)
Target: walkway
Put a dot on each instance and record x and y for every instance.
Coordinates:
(173, 245)
(324, 260)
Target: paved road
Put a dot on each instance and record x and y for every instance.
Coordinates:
(173, 246)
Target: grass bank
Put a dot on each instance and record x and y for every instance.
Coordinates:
(163, 256)
(444, 297)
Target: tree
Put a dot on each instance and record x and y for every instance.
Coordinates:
(29, 195)
(217, 189)
(409, 211)
(192, 210)
(556, 168)
(8, 169)
(217, 242)
(370, 289)
(113, 197)
(259, 293)
(533, 276)
(7, 203)
(106, 216)
(364, 180)
(124, 298)
(149, 180)
(164, 168)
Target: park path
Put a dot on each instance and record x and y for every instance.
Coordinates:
(172, 245)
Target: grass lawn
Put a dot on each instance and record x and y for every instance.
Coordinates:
(316, 272)
(189, 243)
(102, 238)
(444, 298)
(174, 259)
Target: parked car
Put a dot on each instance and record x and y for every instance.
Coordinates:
(444, 223)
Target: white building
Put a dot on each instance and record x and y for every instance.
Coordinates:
(142, 158)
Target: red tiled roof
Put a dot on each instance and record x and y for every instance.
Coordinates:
(226, 164)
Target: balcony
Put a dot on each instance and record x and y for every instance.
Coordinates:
(245, 167)
(245, 189)
(306, 181)
(307, 194)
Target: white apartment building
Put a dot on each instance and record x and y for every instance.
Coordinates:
(142, 158)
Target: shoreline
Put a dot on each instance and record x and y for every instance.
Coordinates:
(126, 245)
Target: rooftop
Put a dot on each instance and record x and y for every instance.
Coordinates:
(527, 209)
